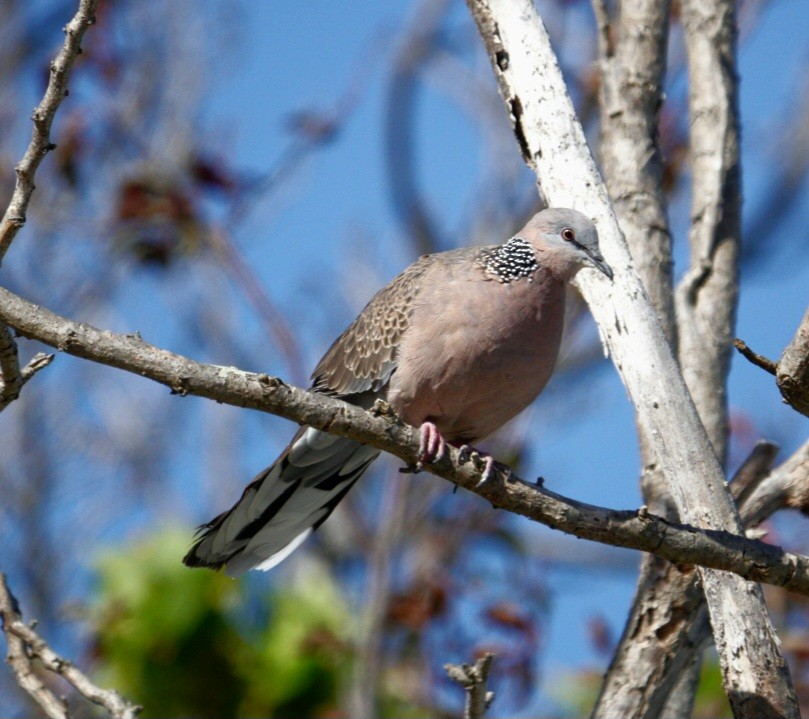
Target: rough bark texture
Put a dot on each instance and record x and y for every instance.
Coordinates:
(706, 297)
(793, 369)
(631, 95)
(552, 143)
(668, 624)
(633, 55)
(633, 65)
(683, 544)
(633, 58)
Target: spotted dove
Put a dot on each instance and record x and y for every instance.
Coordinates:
(457, 344)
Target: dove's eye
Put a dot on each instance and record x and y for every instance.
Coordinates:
(568, 234)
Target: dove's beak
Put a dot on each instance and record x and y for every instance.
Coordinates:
(597, 260)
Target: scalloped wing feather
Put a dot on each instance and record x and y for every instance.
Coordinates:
(364, 357)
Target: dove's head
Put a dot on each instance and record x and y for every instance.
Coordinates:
(564, 241)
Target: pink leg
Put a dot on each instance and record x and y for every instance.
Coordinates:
(432, 445)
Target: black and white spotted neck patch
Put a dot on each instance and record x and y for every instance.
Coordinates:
(512, 260)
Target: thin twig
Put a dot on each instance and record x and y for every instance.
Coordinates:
(759, 360)
(25, 645)
(473, 678)
(40, 145)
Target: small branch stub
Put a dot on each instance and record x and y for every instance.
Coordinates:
(759, 360)
(473, 678)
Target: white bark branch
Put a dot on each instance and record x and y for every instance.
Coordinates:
(706, 296)
(552, 143)
(668, 624)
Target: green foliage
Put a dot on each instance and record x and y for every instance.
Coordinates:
(711, 702)
(178, 641)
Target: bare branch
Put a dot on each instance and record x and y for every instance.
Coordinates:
(21, 663)
(40, 145)
(473, 678)
(667, 624)
(680, 543)
(791, 371)
(632, 73)
(672, 627)
(631, 96)
(12, 378)
(25, 645)
(706, 297)
(552, 143)
(39, 361)
(787, 486)
(759, 360)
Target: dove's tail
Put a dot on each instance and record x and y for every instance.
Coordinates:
(281, 507)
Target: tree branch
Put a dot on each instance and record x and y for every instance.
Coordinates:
(24, 645)
(671, 629)
(707, 295)
(755, 358)
(552, 143)
(633, 66)
(791, 371)
(40, 145)
(664, 630)
(12, 378)
(473, 678)
(680, 543)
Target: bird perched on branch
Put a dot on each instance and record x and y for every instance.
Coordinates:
(457, 344)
